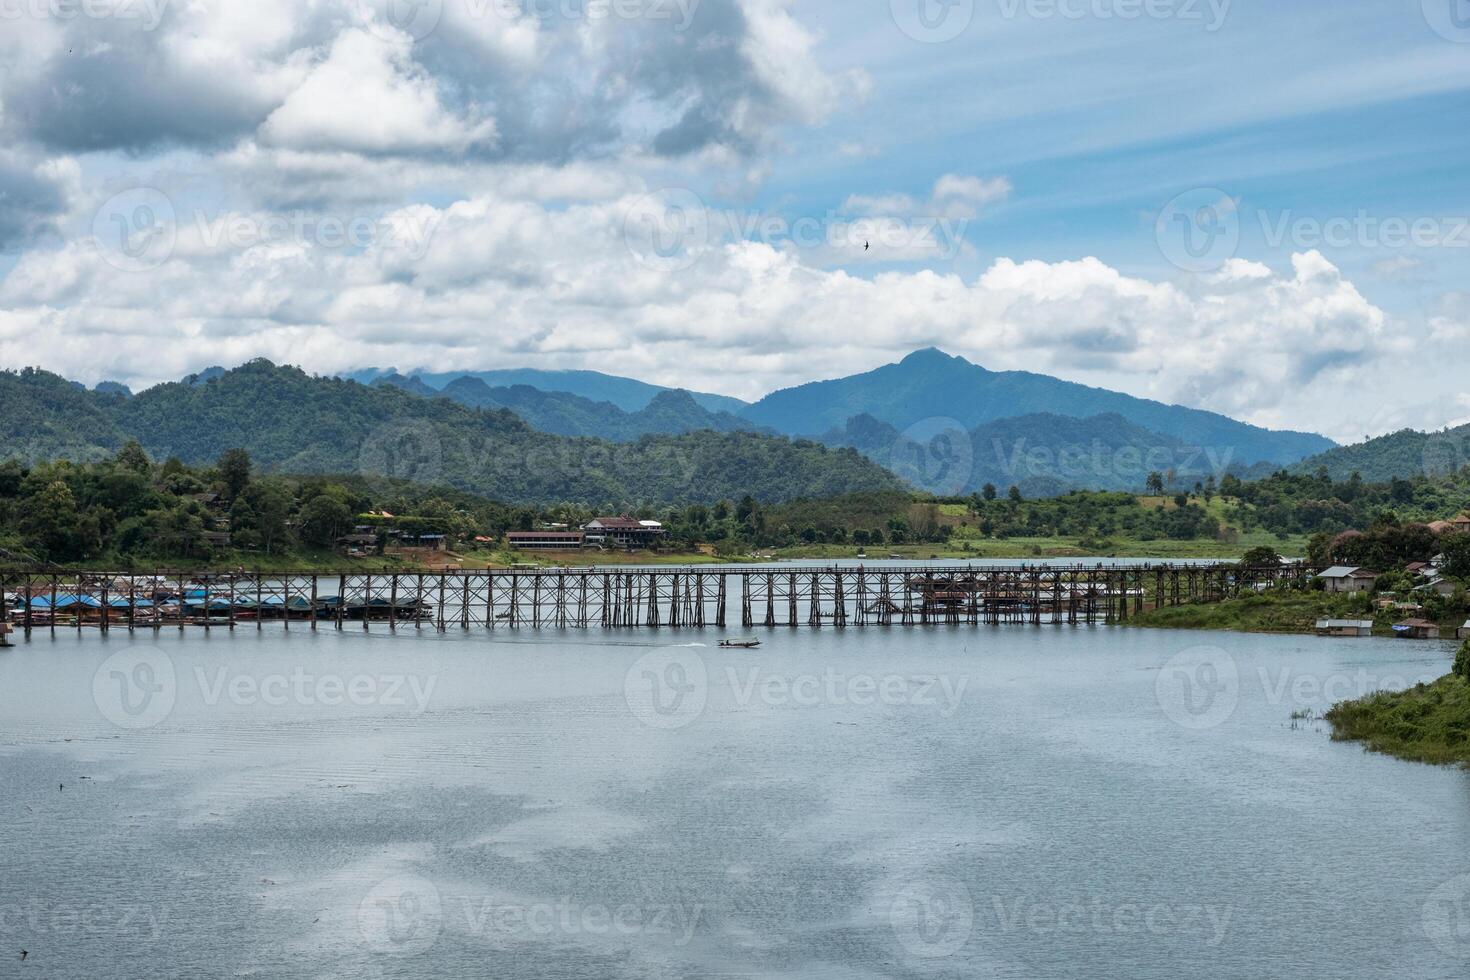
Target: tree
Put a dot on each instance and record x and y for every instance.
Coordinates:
(1015, 494)
(1261, 557)
(234, 471)
(1155, 484)
(1456, 548)
(989, 491)
(324, 519)
(51, 524)
(1462, 661)
(132, 457)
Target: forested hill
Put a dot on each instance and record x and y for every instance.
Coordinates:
(292, 422)
(562, 413)
(931, 384)
(1399, 455)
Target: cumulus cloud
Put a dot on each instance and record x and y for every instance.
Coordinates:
(507, 277)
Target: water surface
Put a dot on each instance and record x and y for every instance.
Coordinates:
(921, 802)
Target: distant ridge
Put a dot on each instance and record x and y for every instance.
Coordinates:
(627, 394)
(930, 384)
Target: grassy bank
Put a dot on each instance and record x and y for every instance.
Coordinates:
(1426, 723)
(1271, 612)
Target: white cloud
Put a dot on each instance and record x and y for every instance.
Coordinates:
(369, 96)
(505, 278)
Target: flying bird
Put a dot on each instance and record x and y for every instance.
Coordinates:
(865, 246)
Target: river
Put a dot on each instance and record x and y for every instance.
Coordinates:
(1015, 801)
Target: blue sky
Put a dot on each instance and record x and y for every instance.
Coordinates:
(681, 190)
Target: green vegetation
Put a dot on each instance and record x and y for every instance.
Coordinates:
(1282, 611)
(1426, 723)
(128, 511)
(290, 422)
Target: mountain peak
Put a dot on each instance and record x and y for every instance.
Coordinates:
(927, 355)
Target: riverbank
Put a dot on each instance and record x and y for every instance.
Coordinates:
(1280, 612)
(1425, 723)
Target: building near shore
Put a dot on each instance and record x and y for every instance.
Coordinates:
(1344, 627)
(545, 540)
(1417, 629)
(622, 532)
(1347, 578)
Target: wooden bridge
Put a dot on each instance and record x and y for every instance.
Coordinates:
(623, 598)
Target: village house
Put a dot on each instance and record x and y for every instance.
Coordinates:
(1416, 629)
(1461, 523)
(545, 540)
(1463, 633)
(1344, 627)
(1438, 585)
(1345, 578)
(623, 532)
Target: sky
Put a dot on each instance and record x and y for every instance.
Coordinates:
(1257, 207)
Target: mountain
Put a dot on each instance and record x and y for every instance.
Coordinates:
(43, 415)
(1403, 454)
(626, 393)
(669, 412)
(1043, 454)
(292, 422)
(930, 384)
